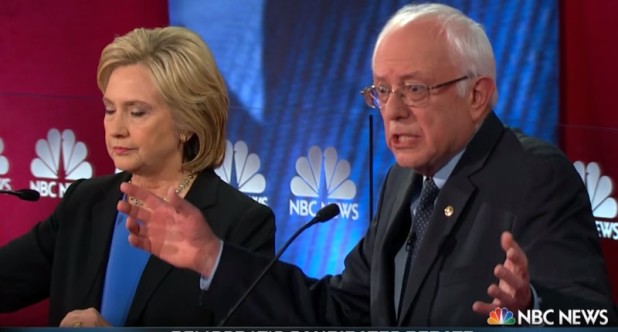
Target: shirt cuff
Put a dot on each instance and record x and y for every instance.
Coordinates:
(206, 281)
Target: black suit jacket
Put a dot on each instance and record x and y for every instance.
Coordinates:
(503, 182)
(65, 257)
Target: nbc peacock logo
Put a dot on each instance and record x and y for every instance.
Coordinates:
(4, 168)
(4, 163)
(240, 169)
(323, 174)
(501, 316)
(59, 154)
(604, 206)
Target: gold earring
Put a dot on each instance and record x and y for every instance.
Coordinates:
(183, 138)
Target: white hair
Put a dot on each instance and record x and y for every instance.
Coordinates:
(467, 39)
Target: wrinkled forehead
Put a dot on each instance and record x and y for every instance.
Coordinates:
(415, 50)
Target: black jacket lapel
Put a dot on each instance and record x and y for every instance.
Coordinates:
(202, 194)
(450, 205)
(102, 225)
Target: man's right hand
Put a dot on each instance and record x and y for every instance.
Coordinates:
(171, 229)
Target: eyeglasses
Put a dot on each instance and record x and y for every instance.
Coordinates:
(415, 94)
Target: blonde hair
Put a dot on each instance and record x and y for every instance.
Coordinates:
(186, 74)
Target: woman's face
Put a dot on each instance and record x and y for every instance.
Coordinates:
(140, 132)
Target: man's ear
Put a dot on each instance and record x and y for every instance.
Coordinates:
(483, 89)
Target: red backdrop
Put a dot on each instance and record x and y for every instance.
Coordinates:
(49, 53)
(589, 119)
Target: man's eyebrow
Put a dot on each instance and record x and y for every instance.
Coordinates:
(408, 76)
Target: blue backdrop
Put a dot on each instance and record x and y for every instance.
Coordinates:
(301, 136)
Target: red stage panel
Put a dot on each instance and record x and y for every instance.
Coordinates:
(589, 121)
(49, 53)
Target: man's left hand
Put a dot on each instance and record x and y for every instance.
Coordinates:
(513, 289)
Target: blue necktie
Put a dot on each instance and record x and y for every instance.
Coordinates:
(420, 222)
(124, 270)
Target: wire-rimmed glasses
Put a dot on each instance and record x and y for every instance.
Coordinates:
(413, 94)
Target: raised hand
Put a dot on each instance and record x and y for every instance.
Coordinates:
(171, 229)
(513, 290)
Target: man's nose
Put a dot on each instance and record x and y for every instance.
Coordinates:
(394, 108)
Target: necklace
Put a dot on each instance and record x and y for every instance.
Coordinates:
(180, 189)
(181, 186)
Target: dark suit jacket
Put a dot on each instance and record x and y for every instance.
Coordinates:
(65, 257)
(503, 182)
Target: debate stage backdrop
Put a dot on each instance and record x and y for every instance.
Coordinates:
(299, 135)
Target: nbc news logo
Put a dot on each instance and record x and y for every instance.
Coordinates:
(240, 169)
(56, 155)
(310, 184)
(501, 316)
(574, 317)
(604, 207)
(4, 168)
(571, 317)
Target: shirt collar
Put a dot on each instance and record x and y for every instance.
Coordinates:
(440, 177)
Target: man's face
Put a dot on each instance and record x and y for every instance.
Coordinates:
(422, 137)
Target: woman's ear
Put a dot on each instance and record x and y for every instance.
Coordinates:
(185, 136)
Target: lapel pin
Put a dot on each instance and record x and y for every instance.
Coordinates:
(448, 210)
